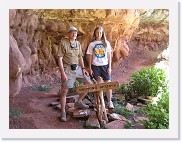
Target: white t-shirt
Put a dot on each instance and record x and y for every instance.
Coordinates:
(99, 52)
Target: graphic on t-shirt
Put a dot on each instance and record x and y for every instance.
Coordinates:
(99, 50)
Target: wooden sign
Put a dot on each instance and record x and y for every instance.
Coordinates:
(97, 87)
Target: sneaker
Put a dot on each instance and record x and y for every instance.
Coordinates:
(110, 105)
(81, 105)
(63, 117)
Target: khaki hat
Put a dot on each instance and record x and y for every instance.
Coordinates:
(72, 29)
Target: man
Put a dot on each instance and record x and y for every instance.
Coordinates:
(71, 66)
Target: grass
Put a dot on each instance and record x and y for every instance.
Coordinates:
(128, 125)
(123, 111)
(42, 88)
(15, 112)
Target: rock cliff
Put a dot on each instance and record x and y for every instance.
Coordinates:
(35, 34)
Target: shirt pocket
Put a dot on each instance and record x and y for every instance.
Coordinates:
(74, 52)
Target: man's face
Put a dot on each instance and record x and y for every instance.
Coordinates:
(72, 34)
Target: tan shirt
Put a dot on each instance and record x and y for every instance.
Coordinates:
(70, 55)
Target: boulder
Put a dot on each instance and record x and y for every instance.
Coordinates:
(16, 66)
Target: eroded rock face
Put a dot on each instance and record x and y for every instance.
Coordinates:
(119, 26)
(16, 66)
(153, 30)
(37, 33)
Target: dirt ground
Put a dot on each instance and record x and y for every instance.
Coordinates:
(30, 109)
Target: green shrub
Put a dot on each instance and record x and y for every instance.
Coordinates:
(128, 125)
(123, 89)
(158, 113)
(148, 81)
(123, 111)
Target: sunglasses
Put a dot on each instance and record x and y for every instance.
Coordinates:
(73, 45)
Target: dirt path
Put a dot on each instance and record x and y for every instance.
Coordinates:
(36, 112)
(30, 110)
(137, 59)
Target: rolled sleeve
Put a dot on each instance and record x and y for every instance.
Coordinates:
(109, 49)
(90, 49)
(80, 50)
(61, 50)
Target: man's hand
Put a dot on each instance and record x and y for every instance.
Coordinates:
(85, 72)
(90, 71)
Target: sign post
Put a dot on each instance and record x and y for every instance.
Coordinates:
(97, 87)
(100, 104)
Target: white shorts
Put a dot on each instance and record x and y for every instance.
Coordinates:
(74, 75)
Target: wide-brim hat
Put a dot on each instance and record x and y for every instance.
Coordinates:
(72, 29)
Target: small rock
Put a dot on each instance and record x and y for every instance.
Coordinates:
(117, 124)
(86, 101)
(143, 100)
(121, 97)
(140, 104)
(70, 105)
(58, 106)
(70, 110)
(92, 122)
(115, 116)
(149, 97)
(139, 126)
(129, 106)
(138, 118)
(93, 113)
(72, 99)
(81, 113)
(54, 103)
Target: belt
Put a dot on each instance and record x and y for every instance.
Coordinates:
(72, 66)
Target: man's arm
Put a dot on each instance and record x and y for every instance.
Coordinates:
(83, 66)
(60, 64)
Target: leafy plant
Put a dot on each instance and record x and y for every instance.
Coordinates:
(142, 110)
(42, 88)
(123, 111)
(158, 113)
(123, 89)
(148, 81)
(128, 125)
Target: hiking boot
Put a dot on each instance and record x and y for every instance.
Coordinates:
(63, 117)
(110, 105)
(81, 105)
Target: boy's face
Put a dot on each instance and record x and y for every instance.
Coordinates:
(72, 35)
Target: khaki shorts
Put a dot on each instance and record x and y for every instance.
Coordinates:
(74, 75)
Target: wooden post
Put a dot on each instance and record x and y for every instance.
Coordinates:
(101, 110)
(98, 95)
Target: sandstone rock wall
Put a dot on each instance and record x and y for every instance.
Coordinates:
(153, 30)
(35, 34)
